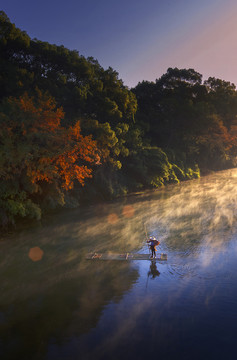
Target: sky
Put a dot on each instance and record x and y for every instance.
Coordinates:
(140, 39)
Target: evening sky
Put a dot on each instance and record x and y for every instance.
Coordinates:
(138, 38)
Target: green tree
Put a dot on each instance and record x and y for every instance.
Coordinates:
(222, 96)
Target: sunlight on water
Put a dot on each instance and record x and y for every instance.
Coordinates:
(89, 308)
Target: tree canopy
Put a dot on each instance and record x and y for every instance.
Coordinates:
(71, 131)
(39, 159)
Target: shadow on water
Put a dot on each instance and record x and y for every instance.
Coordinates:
(40, 305)
(54, 304)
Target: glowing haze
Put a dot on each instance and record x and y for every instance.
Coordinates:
(139, 39)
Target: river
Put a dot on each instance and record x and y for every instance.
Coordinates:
(55, 304)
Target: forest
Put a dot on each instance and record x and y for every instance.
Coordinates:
(72, 133)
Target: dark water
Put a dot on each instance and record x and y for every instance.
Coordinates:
(54, 304)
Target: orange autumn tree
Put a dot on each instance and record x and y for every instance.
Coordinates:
(36, 150)
(215, 144)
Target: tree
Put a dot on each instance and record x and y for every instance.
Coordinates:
(36, 151)
(215, 145)
(222, 96)
(78, 84)
(189, 120)
(169, 106)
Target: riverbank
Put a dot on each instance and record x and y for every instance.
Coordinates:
(27, 224)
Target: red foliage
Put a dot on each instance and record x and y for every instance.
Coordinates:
(50, 151)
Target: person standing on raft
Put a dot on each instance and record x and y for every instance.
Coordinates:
(153, 243)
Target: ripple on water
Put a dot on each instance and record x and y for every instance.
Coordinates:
(193, 293)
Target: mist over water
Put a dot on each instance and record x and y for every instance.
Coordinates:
(54, 304)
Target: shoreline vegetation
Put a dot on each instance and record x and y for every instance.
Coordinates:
(72, 133)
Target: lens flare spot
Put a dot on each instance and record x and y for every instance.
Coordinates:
(128, 211)
(112, 218)
(35, 254)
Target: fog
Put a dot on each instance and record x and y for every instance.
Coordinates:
(198, 214)
(50, 291)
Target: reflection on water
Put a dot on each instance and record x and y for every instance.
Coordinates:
(54, 304)
(153, 271)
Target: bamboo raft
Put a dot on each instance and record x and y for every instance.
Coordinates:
(125, 256)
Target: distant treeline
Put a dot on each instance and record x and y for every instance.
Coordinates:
(71, 132)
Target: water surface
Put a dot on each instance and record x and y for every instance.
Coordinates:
(54, 304)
